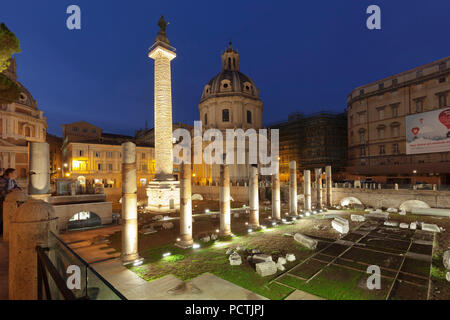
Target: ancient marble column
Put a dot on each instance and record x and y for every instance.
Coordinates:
(254, 197)
(307, 189)
(30, 227)
(329, 182)
(293, 188)
(163, 55)
(185, 208)
(224, 193)
(276, 201)
(12, 202)
(318, 174)
(129, 204)
(39, 165)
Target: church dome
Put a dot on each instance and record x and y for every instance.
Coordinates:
(230, 81)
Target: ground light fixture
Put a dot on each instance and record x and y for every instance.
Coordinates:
(250, 230)
(166, 254)
(196, 246)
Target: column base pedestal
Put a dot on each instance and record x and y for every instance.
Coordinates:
(163, 196)
(133, 259)
(184, 244)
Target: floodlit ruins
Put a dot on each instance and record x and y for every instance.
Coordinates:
(247, 236)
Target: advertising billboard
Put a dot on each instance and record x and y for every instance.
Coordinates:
(428, 132)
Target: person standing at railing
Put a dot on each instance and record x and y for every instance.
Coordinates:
(7, 184)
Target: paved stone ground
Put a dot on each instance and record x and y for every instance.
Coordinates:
(133, 287)
(403, 255)
(4, 261)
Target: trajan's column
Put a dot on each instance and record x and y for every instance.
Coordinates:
(164, 192)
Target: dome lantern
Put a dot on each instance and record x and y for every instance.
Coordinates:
(230, 59)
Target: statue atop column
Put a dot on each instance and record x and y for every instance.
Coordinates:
(162, 24)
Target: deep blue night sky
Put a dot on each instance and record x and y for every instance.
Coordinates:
(303, 55)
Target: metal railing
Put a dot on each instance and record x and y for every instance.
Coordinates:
(53, 264)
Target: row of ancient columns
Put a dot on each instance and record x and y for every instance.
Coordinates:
(319, 197)
(129, 209)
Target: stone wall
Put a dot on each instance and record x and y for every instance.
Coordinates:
(390, 198)
(66, 211)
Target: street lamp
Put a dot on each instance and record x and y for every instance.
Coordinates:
(414, 177)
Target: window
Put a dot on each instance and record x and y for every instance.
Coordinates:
(362, 117)
(94, 131)
(351, 121)
(419, 105)
(362, 151)
(144, 167)
(362, 137)
(394, 110)
(80, 153)
(99, 167)
(110, 167)
(249, 116)
(395, 148)
(395, 131)
(109, 154)
(75, 129)
(380, 132)
(97, 154)
(394, 82)
(206, 119)
(443, 100)
(441, 79)
(225, 115)
(380, 113)
(382, 151)
(120, 154)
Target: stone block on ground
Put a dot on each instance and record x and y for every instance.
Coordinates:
(281, 260)
(281, 267)
(402, 212)
(305, 241)
(290, 257)
(340, 225)
(404, 225)
(267, 268)
(260, 257)
(357, 218)
(235, 259)
(167, 225)
(413, 225)
(391, 223)
(430, 227)
(377, 215)
(236, 215)
(229, 251)
(392, 210)
(446, 259)
(447, 276)
(214, 236)
(205, 239)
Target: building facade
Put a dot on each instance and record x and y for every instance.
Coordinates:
(94, 157)
(378, 116)
(313, 141)
(21, 122)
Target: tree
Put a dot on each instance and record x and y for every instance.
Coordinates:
(9, 44)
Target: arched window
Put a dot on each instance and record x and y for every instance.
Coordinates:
(229, 63)
(206, 119)
(225, 115)
(249, 116)
(27, 132)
